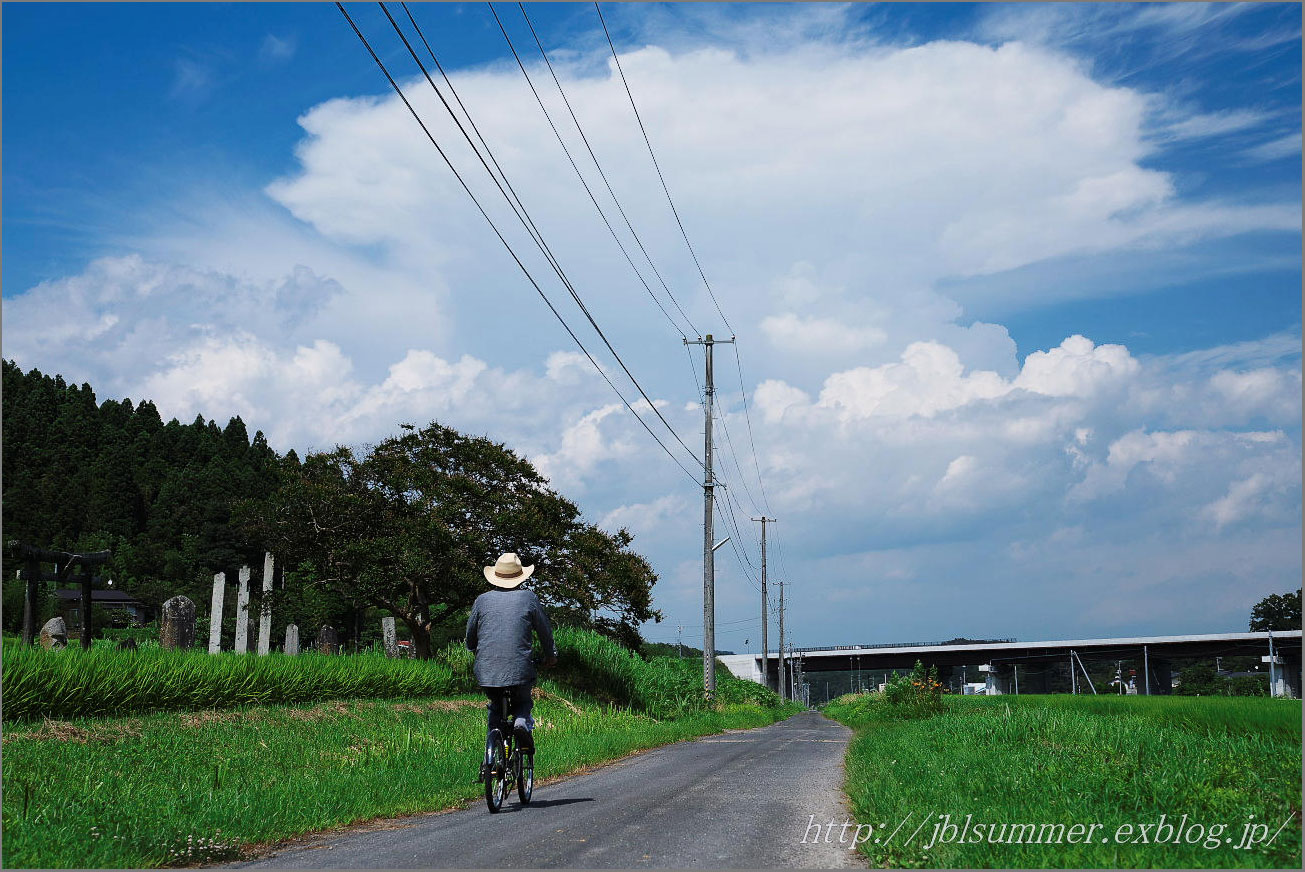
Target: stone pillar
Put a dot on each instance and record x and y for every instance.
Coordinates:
(177, 625)
(215, 613)
(265, 608)
(242, 612)
(54, 634)
(327, 640)
(391, 640)
(291, 640)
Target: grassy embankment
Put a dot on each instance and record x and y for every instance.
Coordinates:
(1109, 760)
(189, 784)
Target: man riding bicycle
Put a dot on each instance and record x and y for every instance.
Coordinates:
(498, 633)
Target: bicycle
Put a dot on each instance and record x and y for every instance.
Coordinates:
(506, 762)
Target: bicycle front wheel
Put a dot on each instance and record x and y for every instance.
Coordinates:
(495, 772)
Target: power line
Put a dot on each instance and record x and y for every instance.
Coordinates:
(502, 239)
(529, 224)
(670, 200)
(735, 459)
(602, 174)
(588, 191)
(693, 369)
(721, 623)
(660, 177)
(738, 361)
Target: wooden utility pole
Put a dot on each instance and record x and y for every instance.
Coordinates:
(708, 549)
(765, 618)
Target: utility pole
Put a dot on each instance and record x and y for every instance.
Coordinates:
(782, 693)
(765, 619)
(1146, 669)
(708, 551)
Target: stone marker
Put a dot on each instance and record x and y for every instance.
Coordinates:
(265, 608)
(54, 634)
(215, 613)
(291, 639)
(177, 626)
(242, 612)
(391, 641)
(327, 640)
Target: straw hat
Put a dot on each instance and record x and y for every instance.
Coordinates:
(508, 572)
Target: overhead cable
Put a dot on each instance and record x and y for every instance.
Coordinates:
(398, 90)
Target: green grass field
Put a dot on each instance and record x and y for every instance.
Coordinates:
(209, 763)
(1232, 766)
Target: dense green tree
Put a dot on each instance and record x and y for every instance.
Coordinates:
(407, 526)
(1277, 611)
(84, 476)
(402, 529)
(1201, 679)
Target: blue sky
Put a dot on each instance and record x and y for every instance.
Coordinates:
(907, 210)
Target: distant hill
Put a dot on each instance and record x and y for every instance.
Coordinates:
(670, 649)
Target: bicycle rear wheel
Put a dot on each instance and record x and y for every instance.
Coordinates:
(496, 772)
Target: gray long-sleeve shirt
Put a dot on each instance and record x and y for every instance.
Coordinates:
(498, 631)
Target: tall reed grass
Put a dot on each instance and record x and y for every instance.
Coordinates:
(106, 682)
(663, 687)
(103, 682)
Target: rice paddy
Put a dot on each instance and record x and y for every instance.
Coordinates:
(1209, 782)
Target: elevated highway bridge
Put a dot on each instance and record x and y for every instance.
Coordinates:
(1008, 666)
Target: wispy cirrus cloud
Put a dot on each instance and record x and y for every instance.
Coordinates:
(276, 49)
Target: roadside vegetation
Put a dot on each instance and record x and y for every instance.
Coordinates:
(1050, 760)
(108, 682)
(206, 784)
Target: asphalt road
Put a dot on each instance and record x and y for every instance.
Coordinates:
(743, 799)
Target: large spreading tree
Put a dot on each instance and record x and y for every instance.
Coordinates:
(1277, 611)
(407, 525)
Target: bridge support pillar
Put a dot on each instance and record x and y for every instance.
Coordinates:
(1291, 672)
(1000, 679)
(1162, 677)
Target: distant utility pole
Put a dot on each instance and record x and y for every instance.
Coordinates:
(708, 550)
(782, 691)
(765, 619)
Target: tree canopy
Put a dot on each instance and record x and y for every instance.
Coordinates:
(408, 524)
(404, 526)
(81, 475)
(1277, 611)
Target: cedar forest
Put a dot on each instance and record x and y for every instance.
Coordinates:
(408, 523)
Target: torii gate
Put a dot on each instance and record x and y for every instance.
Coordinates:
(63, 565)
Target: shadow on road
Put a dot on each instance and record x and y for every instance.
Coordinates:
(545, 803)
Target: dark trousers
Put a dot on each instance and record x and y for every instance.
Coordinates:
(522, 705)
